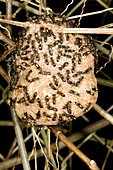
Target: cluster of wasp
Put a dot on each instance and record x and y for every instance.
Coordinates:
(52, 75)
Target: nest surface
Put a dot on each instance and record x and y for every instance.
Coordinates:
(52, 76)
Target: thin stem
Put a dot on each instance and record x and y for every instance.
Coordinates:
(103, 113)
(88, 30)
(73, 138)
(75, 7)
(104, 82)
(104, 5)
(9, 13)
(20, 141)
(92, 165)
(23, 6)
(103, 49)
(91, 13)
(7, 52)
(4, 75)
(6, 39)
(6, 123)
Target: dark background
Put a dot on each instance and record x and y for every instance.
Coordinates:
(94, 150)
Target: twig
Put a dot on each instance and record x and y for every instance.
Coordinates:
(91, 163)
(73, 138)
(67, 7)
(11, 148)
(20, 141)
(46, 145)
(107, 26)
(16, 23)
(84, 4)
(91, 13)
(75, 7)
(7, 52)
(104, 82)
(9, 13)
(107, 156)
(66, 30)
(104, 5)
(103, 113)
(6, 39)
(37, 137)
(103, 49)
(4, 74)
(89, 30)
(6, 123)
(23, 6)
(7, 30)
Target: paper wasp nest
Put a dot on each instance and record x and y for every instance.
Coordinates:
(52, 75)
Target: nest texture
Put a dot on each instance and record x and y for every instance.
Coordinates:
(52, 75)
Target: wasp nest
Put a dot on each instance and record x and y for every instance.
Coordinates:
(52, 76)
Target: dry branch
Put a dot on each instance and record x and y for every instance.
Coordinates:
(66, 30)
(92, 165)
(73, 138)
(103, 113)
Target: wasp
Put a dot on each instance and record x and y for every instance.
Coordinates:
(21, 100)
(25, 64)
(55, 80)
(46, 59)
(64, 65)
(46, 115)
(40, 46)
(58, 56)
(94, 89)
(61, 76)
(82, 48)
(25, 47)
(47, 99)
(38, 67)
(54, 116)
(37, 55)
(26, 115)
(29, 79)
(60, 38)
(52, 86)
(87, 70)
(79, 105)
(90, 92)
(60, 93)
(77, 73)
(86, 53)
(34, 97)
(78, 41)
(79, 81)
(74, 92)
(51, 108)
(50, 50)
(67, 37)
(54, 98)
(67, 77)
(52, 61)
(39, 102)
(38, 114)
(69, 107)
(87, 108)
(37, 37)
(56, 43)
(29, 38)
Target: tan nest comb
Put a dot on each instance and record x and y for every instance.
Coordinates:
(52, 76)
